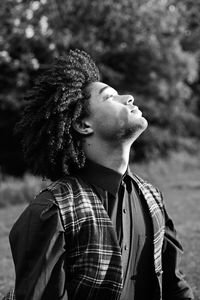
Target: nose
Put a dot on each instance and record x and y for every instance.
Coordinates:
(130, 100)
(125, 99)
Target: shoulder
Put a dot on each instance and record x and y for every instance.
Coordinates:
(42, 201)
(39, 224)
(68, 192)
(37, 213)
(143, 182)
(148, 189)
(67, 185)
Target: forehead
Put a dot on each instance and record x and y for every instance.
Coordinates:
(97, 87)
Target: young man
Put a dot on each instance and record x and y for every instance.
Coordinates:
(98, 231)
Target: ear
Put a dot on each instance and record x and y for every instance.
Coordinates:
(83, 127)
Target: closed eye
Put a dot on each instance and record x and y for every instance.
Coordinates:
(108, 97)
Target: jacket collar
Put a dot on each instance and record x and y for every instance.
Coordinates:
(103, 177)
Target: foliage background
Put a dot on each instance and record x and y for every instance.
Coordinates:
(149, 48)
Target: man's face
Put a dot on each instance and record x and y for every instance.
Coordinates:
(113, 116)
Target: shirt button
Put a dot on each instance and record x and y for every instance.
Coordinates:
(124, 210)
(159, 273)
(125, 247)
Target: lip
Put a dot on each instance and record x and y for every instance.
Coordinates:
(136, 111)
(135, 108)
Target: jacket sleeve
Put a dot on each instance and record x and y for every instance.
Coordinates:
(174, 285)
(38, 247)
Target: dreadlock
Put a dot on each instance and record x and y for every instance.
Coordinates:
(51, 146)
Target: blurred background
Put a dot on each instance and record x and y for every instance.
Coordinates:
(148, 48)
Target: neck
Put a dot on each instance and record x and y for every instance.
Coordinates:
(115, 157)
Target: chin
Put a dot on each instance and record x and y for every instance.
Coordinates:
(144, 123)
(140, 124)
(134, 131)
(137, 128)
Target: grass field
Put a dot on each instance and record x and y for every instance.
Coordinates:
(179, 180)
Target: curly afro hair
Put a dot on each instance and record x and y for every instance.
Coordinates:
(52, 148)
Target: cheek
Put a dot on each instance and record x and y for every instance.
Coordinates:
(111, 118)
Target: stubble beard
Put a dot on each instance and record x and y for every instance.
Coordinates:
(133, 132)
(126, 133)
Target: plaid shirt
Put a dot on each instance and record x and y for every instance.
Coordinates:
(94, 255)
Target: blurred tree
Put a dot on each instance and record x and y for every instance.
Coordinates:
(137, 44)
(23, 48)
(191, 42)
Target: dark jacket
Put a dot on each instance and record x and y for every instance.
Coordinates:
(80, 257)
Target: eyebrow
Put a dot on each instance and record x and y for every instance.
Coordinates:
(102, 89)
